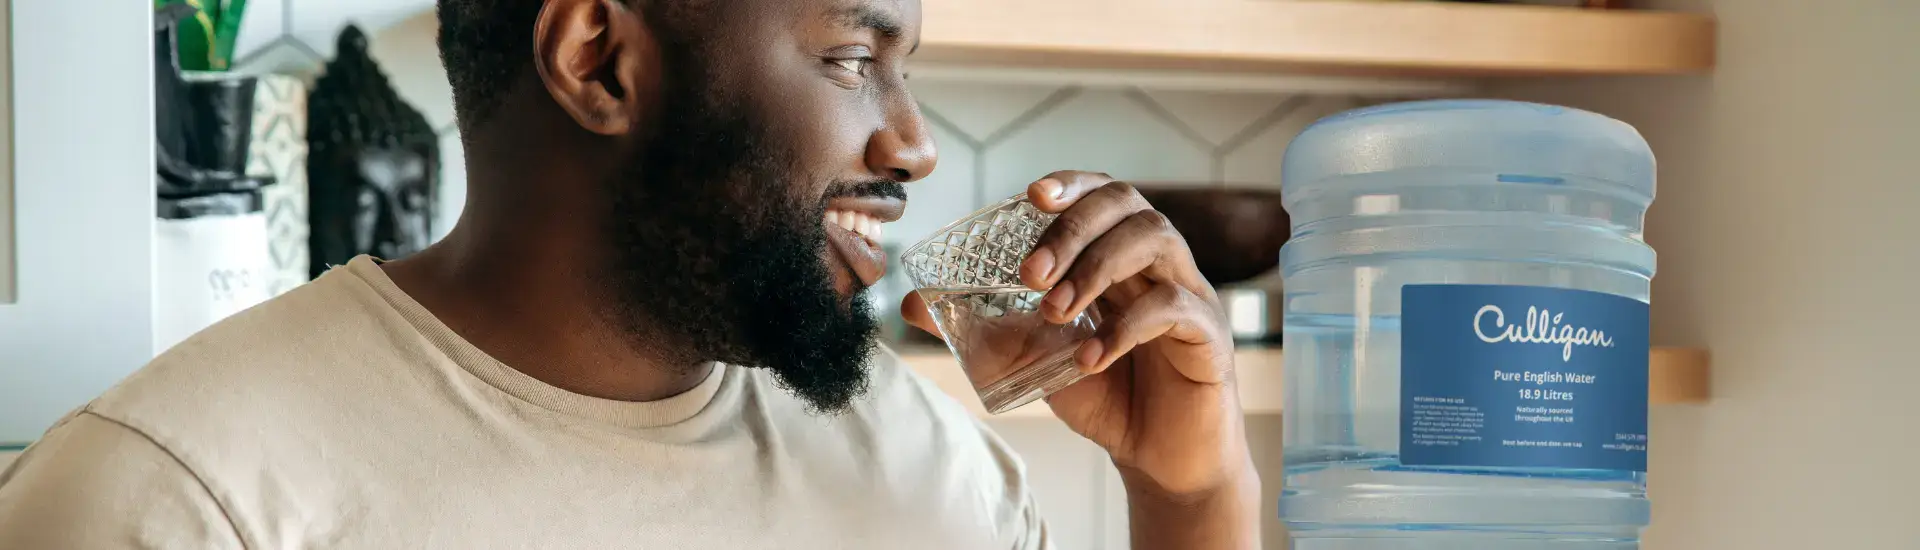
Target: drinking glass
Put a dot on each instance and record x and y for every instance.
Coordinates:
(969, 275)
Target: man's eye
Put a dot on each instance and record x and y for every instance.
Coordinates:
(858, 65)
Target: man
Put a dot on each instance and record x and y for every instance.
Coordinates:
(649, 329)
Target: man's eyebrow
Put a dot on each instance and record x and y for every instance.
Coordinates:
(867, 17)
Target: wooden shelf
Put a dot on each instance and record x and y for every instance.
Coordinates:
(1311, 37)
(1678, 375)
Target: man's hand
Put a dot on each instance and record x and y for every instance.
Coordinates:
(1161, 397)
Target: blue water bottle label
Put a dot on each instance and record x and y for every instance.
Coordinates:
(1521, 376)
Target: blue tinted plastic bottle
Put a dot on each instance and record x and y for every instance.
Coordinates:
(1466, 329)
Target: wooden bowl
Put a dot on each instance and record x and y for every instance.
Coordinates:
(1235, 233)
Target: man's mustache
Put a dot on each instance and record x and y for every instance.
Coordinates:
(887, 189)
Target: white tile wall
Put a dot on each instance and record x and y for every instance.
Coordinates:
(1101, 130)
(1257, 158)
(1213, 117)
(265, 21)
(284, 55)
(946, 195)
(980, 111)
(993, 139)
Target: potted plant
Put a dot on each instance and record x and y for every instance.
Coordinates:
(206, 40)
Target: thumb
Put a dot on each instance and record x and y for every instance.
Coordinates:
(914, 310)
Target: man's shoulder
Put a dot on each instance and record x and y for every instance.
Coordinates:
(271, 358)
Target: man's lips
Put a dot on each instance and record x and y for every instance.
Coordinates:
(854, 230)
(881, 209)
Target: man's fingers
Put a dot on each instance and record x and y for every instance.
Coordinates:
(1060, 190)
(1093, 214)
(1167, 311)
(914, 309)
(1145, 243)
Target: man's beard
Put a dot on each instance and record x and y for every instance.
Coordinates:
(714, 258)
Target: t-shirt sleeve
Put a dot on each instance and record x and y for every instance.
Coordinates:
(96, 483)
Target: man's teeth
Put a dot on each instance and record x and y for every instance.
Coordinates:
(856, 222)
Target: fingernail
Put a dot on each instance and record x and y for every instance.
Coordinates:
(1060, 299)
(1039, 265)
(1051, 188)
(1089, 354)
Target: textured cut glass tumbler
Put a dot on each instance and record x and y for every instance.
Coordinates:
(969, 274)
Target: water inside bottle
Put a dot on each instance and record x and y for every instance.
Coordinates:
(1010, 352)
(1344, 445)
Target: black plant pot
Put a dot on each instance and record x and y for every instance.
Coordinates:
(218, 128)
(203, 124)
(245, 199)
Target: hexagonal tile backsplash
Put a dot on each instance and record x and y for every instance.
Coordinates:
(993, 138)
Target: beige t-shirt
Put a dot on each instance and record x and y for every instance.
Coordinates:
(344, 415)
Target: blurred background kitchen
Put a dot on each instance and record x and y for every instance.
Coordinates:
(307, 131)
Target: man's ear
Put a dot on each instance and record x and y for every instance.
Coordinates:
(598, 60)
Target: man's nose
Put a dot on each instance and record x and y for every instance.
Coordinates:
(903, 149)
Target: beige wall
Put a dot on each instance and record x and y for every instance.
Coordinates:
(1786, 219)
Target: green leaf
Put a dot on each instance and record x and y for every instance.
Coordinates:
(195, 37)
(226, 31)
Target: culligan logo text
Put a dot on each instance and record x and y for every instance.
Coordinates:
(1542, 327)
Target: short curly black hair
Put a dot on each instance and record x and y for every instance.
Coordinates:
(484, 44)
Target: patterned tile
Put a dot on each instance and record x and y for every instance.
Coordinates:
(978, 111)
(1215, 116)
(1257, 161)
(279, 149)
(1100, 130)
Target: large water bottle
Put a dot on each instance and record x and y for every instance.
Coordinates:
(1466, 329)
